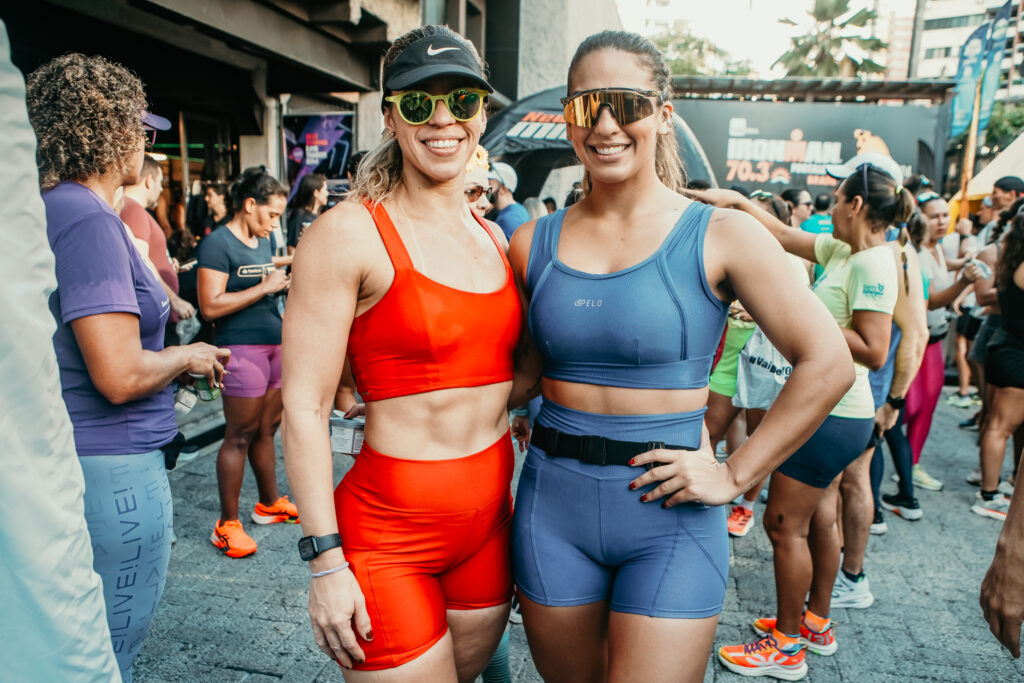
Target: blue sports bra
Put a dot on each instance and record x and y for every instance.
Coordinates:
(655, 325)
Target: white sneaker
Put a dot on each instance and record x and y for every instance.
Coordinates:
(878, 524)
(924, 480)
(515, 616)
(974, 478)
(995, 508)
(1006, 488)
(855, 594)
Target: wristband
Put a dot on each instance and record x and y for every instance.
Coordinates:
(332, 570)
(896, 403)
(520, 412)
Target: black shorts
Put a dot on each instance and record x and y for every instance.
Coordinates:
(967, 326)
(979, 350)
(1004, 366)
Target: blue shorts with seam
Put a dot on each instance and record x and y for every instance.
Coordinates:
(580, 535)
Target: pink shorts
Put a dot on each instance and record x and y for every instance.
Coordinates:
(254, 368)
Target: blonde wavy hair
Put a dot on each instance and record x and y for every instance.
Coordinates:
(667, 162)
(87, 116)
(380, 172)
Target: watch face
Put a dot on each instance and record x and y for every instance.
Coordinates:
(306, 551)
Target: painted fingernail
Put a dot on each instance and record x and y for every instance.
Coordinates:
(632, 461)
(369, 635)
(643, 498)
(632, 485)
(664, 506)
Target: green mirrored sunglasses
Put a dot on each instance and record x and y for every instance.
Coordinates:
(416, 107)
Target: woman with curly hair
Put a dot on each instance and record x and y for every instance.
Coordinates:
(90, 118)
(1004, 370)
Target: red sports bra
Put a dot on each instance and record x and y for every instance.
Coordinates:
(423, 336)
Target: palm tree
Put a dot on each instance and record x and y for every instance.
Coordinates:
(828, 49)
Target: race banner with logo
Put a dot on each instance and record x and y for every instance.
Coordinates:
(775, 145)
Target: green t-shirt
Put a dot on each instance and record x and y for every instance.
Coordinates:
(865, 281)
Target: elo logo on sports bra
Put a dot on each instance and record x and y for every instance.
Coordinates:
(255, 270)
(589, 303)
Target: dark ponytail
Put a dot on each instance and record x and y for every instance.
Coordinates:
(255, 183)
(888, 202)
(1012, 254)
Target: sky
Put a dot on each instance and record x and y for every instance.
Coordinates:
(746, 29)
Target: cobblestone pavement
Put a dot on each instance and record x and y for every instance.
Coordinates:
(245, 620)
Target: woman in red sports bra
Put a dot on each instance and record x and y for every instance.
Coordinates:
(416, 291)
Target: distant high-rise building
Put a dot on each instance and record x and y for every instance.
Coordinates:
(942, 27)
(899, 37)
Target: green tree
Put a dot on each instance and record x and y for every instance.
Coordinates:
(830, 48)
(690, 55)
(1006, 123)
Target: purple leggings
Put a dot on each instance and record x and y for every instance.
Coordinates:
(923, 396)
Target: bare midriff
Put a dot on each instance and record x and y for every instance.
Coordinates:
(605, 400)
(439, 425)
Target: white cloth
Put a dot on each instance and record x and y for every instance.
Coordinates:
(52, 599)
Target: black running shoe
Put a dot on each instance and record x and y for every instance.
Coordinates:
(971, 423)
(907, 508)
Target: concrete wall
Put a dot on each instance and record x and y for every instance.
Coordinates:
(549, 34)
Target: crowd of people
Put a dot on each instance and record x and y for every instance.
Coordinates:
(645, 322)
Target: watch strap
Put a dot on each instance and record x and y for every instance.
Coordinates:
(896, 402)
(313, 546)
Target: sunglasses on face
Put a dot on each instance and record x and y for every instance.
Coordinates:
(474, 193)
(626, 104)
(416, 107)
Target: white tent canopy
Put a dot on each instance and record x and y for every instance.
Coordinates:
(1009, 162)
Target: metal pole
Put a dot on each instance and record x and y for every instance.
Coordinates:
(183, 147)
(972, 141)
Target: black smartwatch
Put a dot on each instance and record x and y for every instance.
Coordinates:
(311, 546)
(896, 403)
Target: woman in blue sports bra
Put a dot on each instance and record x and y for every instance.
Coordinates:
(620, 545)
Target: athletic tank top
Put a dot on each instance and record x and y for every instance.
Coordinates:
(423, 336)
(654, 325)
(1011, 305)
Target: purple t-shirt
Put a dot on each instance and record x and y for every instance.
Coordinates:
(99, 270)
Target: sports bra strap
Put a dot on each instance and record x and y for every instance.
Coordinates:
(389, 236)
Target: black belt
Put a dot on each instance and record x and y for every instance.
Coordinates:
(594, 450)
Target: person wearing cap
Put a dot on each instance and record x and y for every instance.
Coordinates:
(110, 309)
(859, 288)
(415, 290)
(511, 214)
(1005, 191)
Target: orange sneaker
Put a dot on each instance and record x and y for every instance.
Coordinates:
(282, 510)
(740, 521)
(823, 643)
(231, 538)
(764, 658)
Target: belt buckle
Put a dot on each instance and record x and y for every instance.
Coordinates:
(650, 446)
(592, 450)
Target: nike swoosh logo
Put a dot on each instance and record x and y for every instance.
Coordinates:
(431, 51)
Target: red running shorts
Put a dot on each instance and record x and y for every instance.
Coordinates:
(424, 537)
